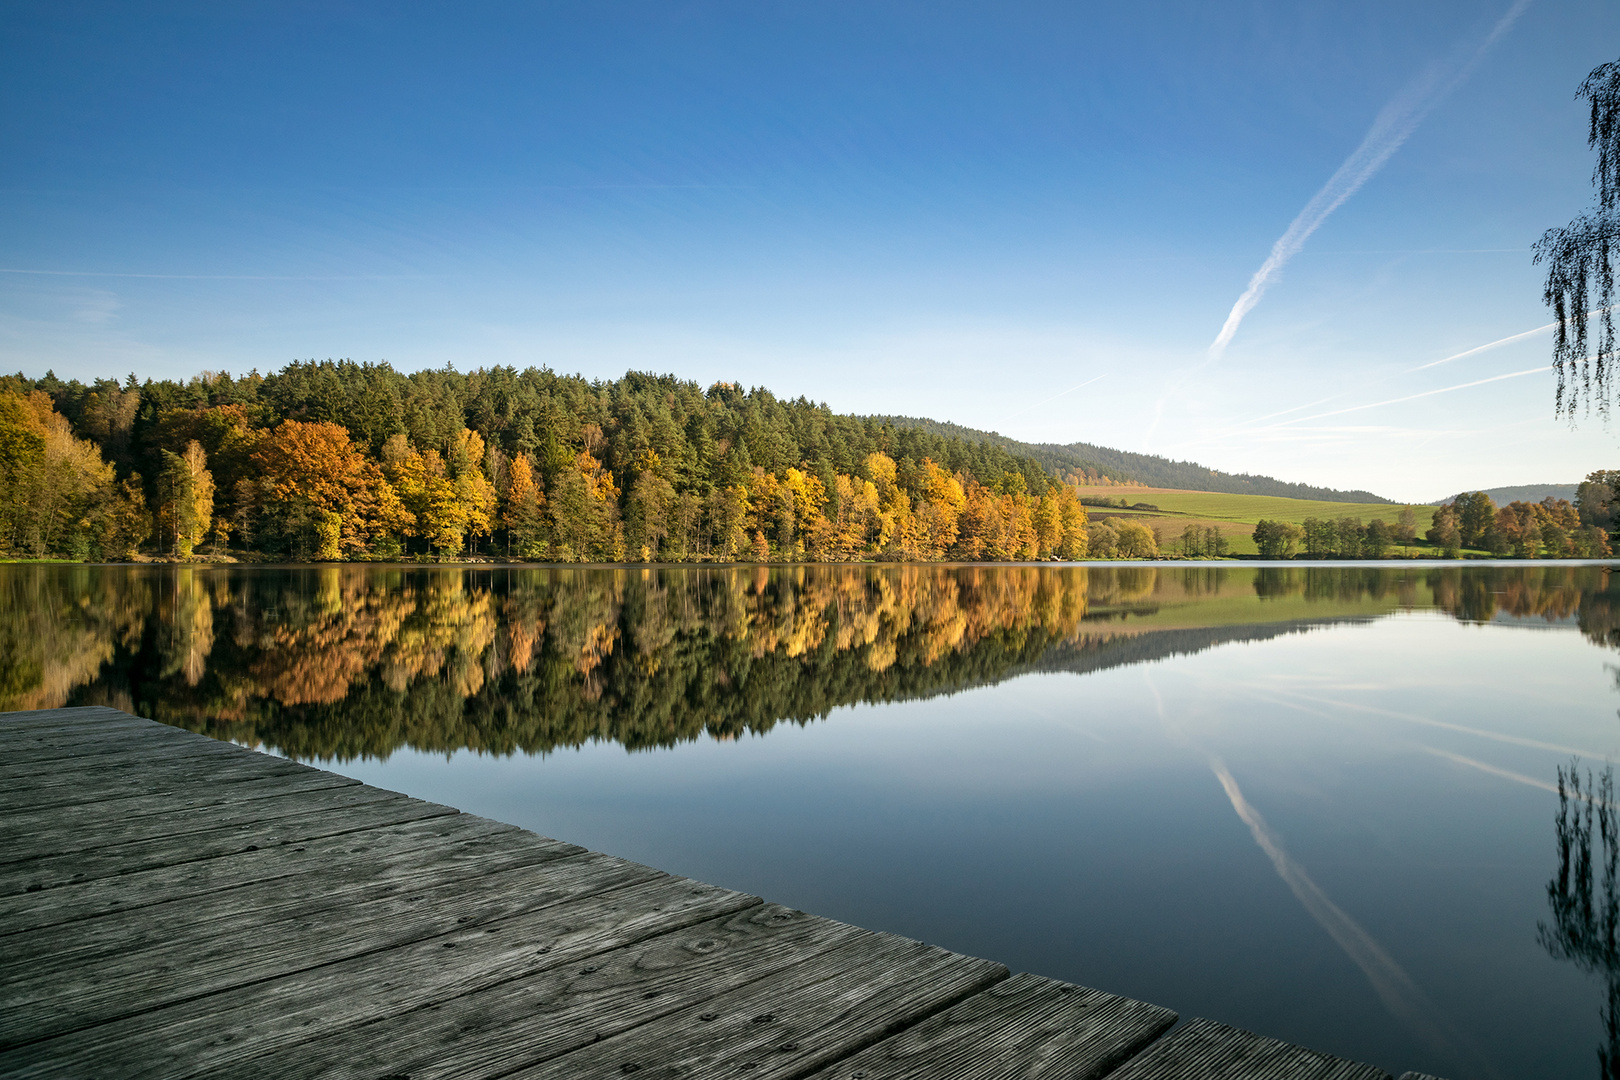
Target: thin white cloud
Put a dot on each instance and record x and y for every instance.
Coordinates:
(1394, 124)
(1489, 345)
(1054, 397)
(1413, 397)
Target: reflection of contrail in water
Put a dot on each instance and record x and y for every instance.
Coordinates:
(1411, 718)
(1506, 774)
(1394, 124)
(1389, 981)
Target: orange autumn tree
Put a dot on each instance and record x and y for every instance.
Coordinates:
(319, 496)
(524, 517)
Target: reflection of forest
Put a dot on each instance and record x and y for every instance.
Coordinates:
(350, 660)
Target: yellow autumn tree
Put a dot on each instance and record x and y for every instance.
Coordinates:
(187, 497)
(525, 509)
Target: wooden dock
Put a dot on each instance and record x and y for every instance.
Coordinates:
(173, 906)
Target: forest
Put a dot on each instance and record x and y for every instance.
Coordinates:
(337, 461)
(1086, 463)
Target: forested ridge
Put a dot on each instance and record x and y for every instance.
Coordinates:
(1086, 463)
(340, 460)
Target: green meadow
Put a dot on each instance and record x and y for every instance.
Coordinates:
(1235, 515)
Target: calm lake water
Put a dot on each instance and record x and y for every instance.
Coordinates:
(1314, 801)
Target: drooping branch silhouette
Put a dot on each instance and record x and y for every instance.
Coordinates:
(1583, 895)
(1580, 263)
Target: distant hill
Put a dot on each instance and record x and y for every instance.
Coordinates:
(1523, 493)
(1148, 470)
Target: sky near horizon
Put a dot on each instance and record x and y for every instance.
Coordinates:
(1034, 218)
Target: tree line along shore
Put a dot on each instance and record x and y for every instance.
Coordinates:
(342, 461)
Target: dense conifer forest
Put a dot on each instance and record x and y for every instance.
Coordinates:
(1086, 463)
(339, 460)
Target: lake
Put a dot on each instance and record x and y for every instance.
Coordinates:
(1316, 801)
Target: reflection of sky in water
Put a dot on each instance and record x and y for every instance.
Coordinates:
(1341, 838)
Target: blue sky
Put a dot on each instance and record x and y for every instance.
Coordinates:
(941, 209)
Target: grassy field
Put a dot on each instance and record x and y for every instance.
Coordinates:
(1235, 515)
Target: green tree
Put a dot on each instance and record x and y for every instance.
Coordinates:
(1444, 532)
(1596, 499)
(1375, 543)
(1277, 539)
(126, 523)
(1475, 515)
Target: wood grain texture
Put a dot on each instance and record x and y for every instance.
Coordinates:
(123, 777)
(36, 721)
(59, 995)
(238, 786)
(799, 1018)
(1205, 1050)
(278, 1019)
(367, 809)
(24, 746)
(287, 797)
(526, 1021)
(1025, 1028)
(347, 872)
(22, 913)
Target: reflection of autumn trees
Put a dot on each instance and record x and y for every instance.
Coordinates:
(1547, 592)
(60, 626)
(351, 660)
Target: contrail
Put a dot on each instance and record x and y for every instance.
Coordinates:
(1413, 397)
(1054, 397)
(1394, 124)
(1394, 987)
(1489, 345)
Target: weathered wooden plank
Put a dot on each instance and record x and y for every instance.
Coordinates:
(293, 797)
(89, 774)
(240, 779)
(88, 747)
(58, 998)
(133, 778)
(799, 1019)
(80, 722)
(34, 720)
(525, 1021)
(29, 912)
(1204, 1050)
(277, 1019)
(353, 870)
(96, 745)
(315, 819)
(1025, 1028)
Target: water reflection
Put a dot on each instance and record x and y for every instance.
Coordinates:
(347, 661)
(1583, 896)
